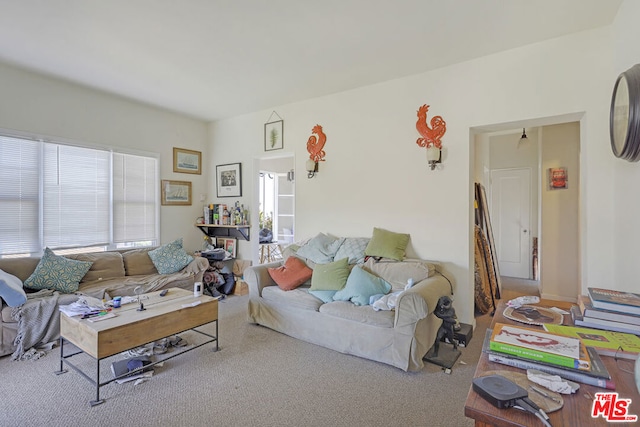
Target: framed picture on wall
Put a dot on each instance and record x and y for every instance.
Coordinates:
(273, 135)
(558, 179)
(229, 244)
(229, 180)
(176, 193)
(187, 161)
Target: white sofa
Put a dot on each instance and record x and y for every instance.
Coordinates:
(400, 337)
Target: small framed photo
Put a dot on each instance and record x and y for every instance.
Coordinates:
(558, 179)
(176, 193)
(229, 180)
(187, 161)
(273, 135)
(228, 244)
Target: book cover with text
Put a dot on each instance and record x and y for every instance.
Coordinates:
(609, 299)
(536, 344)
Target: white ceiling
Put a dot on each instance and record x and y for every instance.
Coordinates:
(212, 59)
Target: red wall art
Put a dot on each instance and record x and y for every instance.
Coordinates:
(431, 135)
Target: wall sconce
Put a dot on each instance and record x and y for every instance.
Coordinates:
(431, 135)
(315, 145)
(434, 156)
(312, 168)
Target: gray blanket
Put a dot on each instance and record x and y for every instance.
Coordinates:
(38, 324)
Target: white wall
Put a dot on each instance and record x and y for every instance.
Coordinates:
(626, 176)
(37, 104)
(376, 176)
(560, 236)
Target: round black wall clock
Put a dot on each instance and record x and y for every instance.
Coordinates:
(624, 117)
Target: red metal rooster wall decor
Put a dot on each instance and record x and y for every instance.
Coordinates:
(431, 136)
(315, 145)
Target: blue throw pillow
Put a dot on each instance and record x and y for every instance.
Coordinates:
(324, 296)
(170, 258)
(361, 285)
(57, 273)
(11, 290)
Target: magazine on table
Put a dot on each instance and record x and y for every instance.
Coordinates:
(606, 343)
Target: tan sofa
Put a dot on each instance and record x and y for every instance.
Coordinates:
(399, 337)
(112, 273)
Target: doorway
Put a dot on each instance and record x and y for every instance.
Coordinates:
(548, 248)
(510, 217)
(276, 206)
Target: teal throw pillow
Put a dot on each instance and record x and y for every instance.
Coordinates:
(170, 258)
(387, 244)
(361, 285)
(11, 290)
(330, 277)
(57, 273)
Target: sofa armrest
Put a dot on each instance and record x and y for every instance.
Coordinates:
(257, 277)
(420, 300)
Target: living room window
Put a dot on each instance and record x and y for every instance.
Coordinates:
(66, 196)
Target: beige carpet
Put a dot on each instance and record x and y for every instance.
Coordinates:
(258, 378)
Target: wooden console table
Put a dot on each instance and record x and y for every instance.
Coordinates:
(577, 407)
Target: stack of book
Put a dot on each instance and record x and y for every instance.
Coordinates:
(555, 354)
(608, 310)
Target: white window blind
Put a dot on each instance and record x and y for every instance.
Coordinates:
(19, 195)
(66, 196)
(76, 196)
(135, 198)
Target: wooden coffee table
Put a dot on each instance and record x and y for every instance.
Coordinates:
(577, 407)
(130, 328)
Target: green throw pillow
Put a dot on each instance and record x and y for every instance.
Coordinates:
(170, 258)
(361, 286)
(57, 273)
(330, 277)
(387, 244)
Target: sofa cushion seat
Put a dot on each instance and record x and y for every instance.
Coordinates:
(362, 314)
(299, 297)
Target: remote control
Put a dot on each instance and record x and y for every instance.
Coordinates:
(163, 293)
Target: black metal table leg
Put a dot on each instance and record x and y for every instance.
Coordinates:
(61, 371)
(98, 401)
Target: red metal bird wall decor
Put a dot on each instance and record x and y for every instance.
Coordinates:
(431, 136)
(315, 144)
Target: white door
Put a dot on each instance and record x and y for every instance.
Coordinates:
(510, 220)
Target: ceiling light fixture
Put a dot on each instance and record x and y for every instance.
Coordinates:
(523, 138)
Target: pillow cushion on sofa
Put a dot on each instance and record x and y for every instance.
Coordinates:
(57, 273)
(331, 276)
(353, 248)
(387, 244)
(321, 249)
(362, 285)
(324, 296)
(397, 273)
(292, 274)
(11, 290)
(170, 258)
